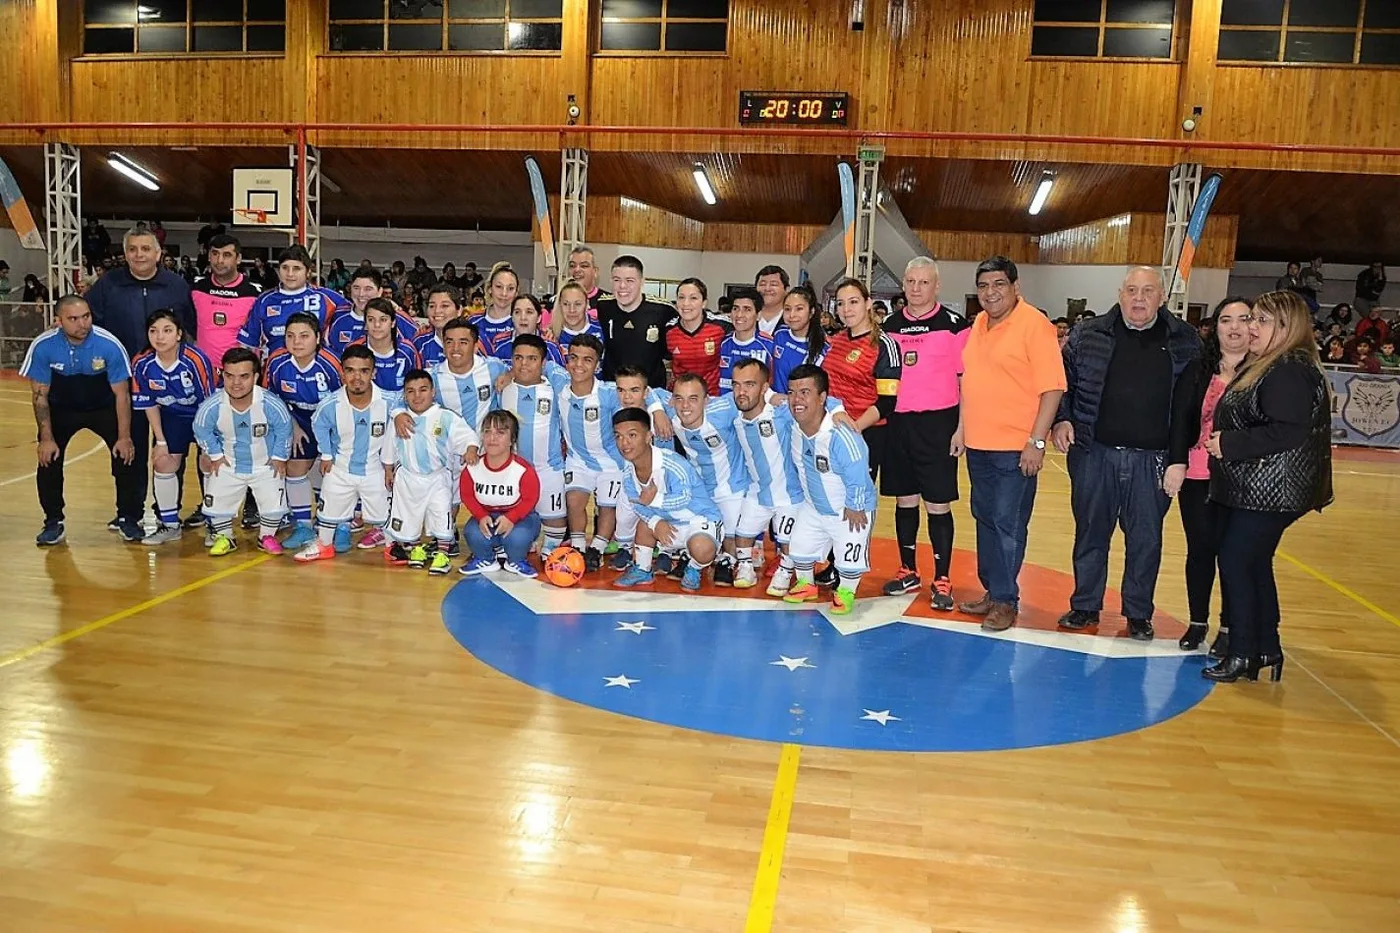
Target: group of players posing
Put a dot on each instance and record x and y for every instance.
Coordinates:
(525, 448)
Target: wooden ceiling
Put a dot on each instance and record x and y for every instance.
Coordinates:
(1346, 218)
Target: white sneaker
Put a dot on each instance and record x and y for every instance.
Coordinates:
(164, 534)
(782, 582)
(745, 576)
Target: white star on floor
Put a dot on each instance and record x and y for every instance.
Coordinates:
(636, 628)
(621, 680)
(883, 716)
(791, 664)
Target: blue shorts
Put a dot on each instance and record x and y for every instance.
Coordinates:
(178, 430)
(309, 450)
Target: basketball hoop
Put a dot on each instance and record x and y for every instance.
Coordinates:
(251, 216)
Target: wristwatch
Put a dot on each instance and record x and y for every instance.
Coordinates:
(1038, 443)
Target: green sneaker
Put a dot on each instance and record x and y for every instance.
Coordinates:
(440, 563)
(610, 549)
(417, 556)
(223, 545)
(842, 602)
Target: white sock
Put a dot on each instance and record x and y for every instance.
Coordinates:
(168, 498)
(579, 540)
(553, 538)
(643, 558)
(805, 574)
(744, 555)
(600, 543)
(849, 581)
(325, 532)
(299, 497)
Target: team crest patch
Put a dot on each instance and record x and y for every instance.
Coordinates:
(98, 364)
(542, 406)
(765, 429)
(483, 393)
(289, 387)
(157, 384)
(853, 355)
(260, 430)
(220, 319)
(396, 524)
(653, 334)
(911, 357)
(823, 465)
(590, 414)
(713, 442)
(709, 347)
(437, 430)
(274, 312)
(376, 429)
(568, 476)
(208, 502)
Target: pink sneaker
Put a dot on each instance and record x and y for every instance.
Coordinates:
(374, 538)
(270, 544)
(314, 551)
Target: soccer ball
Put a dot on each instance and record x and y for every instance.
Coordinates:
(564, 566)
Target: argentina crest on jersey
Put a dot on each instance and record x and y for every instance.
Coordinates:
(823, 464)
(590, 413)
(713, 442)
(376, 429)
(765, 428)
(542, 406)
(483, 393)
(260, 430)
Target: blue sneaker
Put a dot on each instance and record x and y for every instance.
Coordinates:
(479, 565)
(520, 569)
(635, 576)
(302, 535)
(51, 535)
(691, 579)
(621, 559)
(131, 532)
(342, 538)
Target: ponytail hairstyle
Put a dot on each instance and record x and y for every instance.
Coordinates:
(816, 337)
(556, 317)
(385, 307)
(870, 312)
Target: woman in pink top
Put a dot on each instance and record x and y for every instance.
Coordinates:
(1199, 516)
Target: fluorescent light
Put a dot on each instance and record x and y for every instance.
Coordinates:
(1047, 181)
(133, 171)
(702, 181)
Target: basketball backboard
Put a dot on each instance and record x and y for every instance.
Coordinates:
(262, 197)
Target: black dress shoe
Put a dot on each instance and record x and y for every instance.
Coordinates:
(1195, 634)
(1077, 620)
(1230, 670)
(1140, 629)
(1220, 648)
(1274, 662)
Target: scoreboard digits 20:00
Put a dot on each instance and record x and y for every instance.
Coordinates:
(793, 108)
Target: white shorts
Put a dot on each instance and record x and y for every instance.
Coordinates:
(627, 519)
(420, 502)
(730, 508)
(815, 535)
(606, 485)
(225, 490)
(340, 491)
(754, 518)
(699, 525)
(551, 504)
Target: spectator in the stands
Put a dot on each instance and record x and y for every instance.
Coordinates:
(97, 242)
(1311, 281)
(1369, 285)
(421, 277)
(1291, 280)
(449, 276)
(1062, 330)
(1362, 357)
(188, 272)
(338, 278)
(1373, 326)
(1336, 351)
(409, 301)
(1388, 357)
(397, 277)
(264, 274)
(1342, 314)
(158, 231)
(471, 279)
(35, 292)
(1333, 329)
(4, 280)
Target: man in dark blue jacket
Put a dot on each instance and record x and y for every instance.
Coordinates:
(1125, 423)
(121, 300)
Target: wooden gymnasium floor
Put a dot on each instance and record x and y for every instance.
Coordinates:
(246, 745)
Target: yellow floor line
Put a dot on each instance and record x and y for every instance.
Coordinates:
(1348, 593)
(167, 596)
(770, 857)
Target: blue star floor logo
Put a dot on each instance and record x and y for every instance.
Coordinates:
(761, 669)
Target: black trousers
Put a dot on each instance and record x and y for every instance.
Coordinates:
(1201, 521)
(130, 480)
(1247, 545)
(1116, 487)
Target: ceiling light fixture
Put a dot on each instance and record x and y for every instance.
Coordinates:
(1047, 181)
(133, 171)
(702, 181)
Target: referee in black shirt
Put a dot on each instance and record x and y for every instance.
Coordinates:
(1125, 421)
(634, 326)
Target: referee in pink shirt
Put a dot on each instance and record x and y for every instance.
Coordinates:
(925, 437)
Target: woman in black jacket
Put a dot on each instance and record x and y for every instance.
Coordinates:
(1225, 349)
(1271, 464)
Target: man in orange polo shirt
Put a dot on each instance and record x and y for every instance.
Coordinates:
(1013, 377)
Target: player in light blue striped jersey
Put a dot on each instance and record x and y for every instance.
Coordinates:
(245, 435)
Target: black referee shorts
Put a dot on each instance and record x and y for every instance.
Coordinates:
(916, 461)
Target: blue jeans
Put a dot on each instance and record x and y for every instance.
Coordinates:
(1002, 499)
(516, 544)
(1113, 487)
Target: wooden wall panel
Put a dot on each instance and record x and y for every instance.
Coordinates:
(975, 246)
(634, 223)
(1099, 242)
(1217, 250)
(760, 238)
(29, 50)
